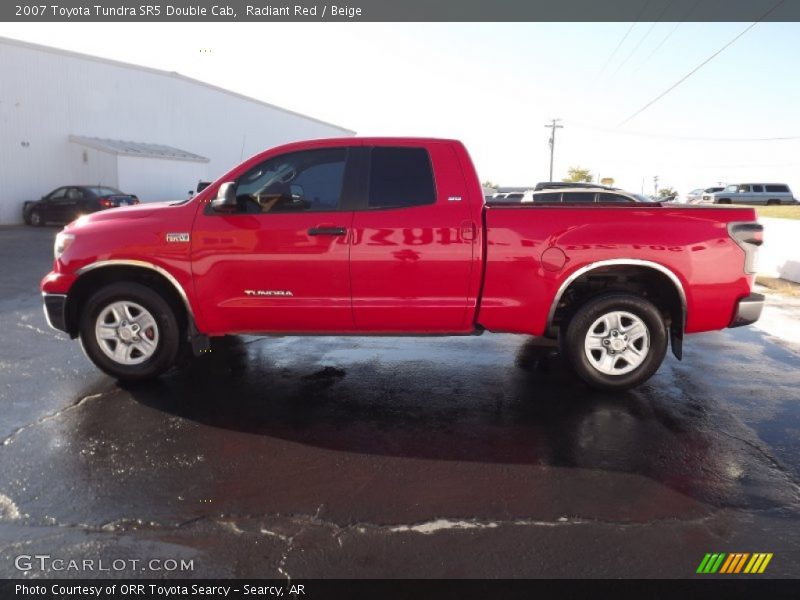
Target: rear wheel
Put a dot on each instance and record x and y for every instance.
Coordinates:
(773, 202)
(130, 332)
(615, 341)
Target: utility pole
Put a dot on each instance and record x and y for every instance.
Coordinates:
(655, 186)
(553, 126)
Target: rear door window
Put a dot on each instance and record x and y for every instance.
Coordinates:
(400, 178)
(758, 188)
(578, 197)
(550, 198)
(778, 189)
(613, 198)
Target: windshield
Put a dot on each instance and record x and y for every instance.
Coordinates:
(641, 198)
(732, 188)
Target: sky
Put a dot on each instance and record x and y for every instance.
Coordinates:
(495, 86)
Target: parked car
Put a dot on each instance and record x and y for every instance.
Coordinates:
(694, 196)
(64, 204)
(390, 236)
(558, 192)
(751, 193)
(201, 185)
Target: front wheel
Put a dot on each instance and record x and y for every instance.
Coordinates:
(615, 341)
(129, 331)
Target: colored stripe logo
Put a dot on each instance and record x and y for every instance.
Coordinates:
(734, 563)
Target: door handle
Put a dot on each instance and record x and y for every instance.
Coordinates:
(327, 231)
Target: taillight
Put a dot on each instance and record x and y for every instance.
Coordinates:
(135, 200)
(749, 236)
(107, 203)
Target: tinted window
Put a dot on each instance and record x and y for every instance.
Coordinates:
(778, 188)
(515, 196)
(551, 198)
(75, 194)
(400, 177)
(57, 194)
(618, 198)
(578, 197)
(758, 188)
(300, 181)
(744, 188)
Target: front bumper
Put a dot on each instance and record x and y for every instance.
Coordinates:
(55, 310)
(748, 310)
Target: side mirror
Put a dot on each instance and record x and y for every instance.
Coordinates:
(226, 198)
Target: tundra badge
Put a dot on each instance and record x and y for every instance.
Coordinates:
(268, 293)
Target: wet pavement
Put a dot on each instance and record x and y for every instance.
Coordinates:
(374, 457)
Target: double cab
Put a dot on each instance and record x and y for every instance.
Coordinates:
(391, 236)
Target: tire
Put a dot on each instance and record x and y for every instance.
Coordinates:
(773, 202)
(35, 218)
(593, 345)
(130, 332)
(724, 201)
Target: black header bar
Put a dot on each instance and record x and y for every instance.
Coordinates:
(401, 10)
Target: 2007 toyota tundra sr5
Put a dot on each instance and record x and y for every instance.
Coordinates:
(363, 236)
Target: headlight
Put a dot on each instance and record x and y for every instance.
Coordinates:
(63, 241)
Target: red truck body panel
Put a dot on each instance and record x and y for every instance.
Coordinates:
(691, 243)
(447, 268)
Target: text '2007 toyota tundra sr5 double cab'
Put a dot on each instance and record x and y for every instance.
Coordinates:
(363, 236)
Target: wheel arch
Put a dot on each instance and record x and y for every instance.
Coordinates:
(97, 274)
(627, 274)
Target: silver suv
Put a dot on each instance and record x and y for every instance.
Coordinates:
(752, 193)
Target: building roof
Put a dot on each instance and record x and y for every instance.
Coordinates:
(140, 149)
(171, 74)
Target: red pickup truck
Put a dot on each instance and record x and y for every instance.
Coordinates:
(383, 236)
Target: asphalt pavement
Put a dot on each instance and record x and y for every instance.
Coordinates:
(389, 457)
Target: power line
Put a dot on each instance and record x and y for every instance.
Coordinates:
(700, 66)
(624, 37)
(687, 138)
(643, 38)
(622, 41)
(669, 35)
(632, 52)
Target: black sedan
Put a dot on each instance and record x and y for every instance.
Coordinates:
(67, 203)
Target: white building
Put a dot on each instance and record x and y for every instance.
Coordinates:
(72, 119)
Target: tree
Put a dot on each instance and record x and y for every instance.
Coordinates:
(490, 184)
(609, 181)
(667, 192)
(578, 174)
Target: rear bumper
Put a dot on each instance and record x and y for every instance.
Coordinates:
(55, 310)
(748, 310)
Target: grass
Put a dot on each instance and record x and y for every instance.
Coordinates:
(780, 212)
(780, 286)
